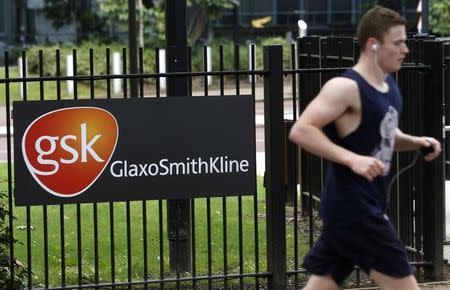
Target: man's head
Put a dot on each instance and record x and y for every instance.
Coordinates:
(382, 33)
(376, 24)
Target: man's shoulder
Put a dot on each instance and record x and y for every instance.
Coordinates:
(341, 86)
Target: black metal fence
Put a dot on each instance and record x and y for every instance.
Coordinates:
(418, 195)
(236, 242)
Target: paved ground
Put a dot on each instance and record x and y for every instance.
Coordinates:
(428, 286)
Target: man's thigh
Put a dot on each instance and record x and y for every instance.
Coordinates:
(392, 283)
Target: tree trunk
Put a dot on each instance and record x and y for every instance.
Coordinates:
(141, 23)
(197, 25)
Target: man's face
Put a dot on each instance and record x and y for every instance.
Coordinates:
(393, 50)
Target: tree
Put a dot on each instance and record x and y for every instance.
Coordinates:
(205, 10)
(150, 19)
(64, 12)
(440, 17)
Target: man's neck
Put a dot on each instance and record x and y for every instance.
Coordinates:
(369, 68)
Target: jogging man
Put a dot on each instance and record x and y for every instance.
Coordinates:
(359, 113)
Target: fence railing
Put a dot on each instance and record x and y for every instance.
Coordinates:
(415, 191)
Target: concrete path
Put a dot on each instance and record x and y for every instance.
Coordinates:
(425, 286)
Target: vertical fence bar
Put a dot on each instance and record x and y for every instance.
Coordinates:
(124, 71)
(108, 72)
(112, 244)
(141, 71)
(208, 200)
(294, 180)
(160, 205)
(194, 260)
(161, 245)
(193, 237)
(224, 199)
(75, 73)
(61, 207)
(255, 197)
(144, 203)
(129, 270)
(111, 204)
(9, 168)
(28, 210)
(94, 206)
(274, 177)
(189, 69)
(44, 208)
(310, 202)
(158, 78)
(240, 236)
(433, 174)
(79, 232)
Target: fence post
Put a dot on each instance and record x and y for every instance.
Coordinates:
(179, 210)
(274, 175)
(433, 173)
(447, 107)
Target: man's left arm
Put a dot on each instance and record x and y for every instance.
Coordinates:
(406, 142)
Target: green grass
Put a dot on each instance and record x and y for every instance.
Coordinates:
(153, 238)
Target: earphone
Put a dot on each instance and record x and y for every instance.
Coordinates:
(422, 150)
(374, 47)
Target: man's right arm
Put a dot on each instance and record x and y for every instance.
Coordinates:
(336, 97)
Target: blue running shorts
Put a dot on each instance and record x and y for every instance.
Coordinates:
(370, 243)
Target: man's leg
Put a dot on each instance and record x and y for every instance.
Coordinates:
(316, 282)
(391, 283)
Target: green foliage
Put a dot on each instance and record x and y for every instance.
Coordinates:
(440, 17)
(64, 12)
(214, 8)
(277, 40)
(83, 54)
(99, 49)
(229, 54)
(115, 13)
(20, 273)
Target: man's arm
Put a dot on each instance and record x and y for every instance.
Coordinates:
(335, 98)
(406, 142)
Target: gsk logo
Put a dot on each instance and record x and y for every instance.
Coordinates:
(66, 150)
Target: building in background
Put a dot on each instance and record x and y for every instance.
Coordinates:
(322, 16)
(24, 22)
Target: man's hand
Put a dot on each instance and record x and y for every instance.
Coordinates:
(427, 142)
(367, 166)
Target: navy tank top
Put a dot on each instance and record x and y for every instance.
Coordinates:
(347, 196)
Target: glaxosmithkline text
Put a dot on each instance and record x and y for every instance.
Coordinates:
(190, 166)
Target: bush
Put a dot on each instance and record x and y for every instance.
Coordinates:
(20, 274)
(229, 54)
(149, 57)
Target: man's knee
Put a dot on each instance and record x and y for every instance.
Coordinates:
(391, 283)
(316, 282)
